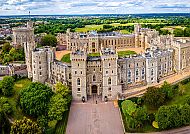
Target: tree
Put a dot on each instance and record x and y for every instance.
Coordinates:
(167, 89)
(25, 126)
(49, 40)
(128, 107)
(178, 32)
(6, 85)
(5, 106)
(6, 47)
(35, 98)
(64, 91)
(57, 106)
(5, 109)
(185, 114)
(154, 97)
(187, 32)
(169, 117)
(141, 114)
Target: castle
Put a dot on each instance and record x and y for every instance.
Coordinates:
(107, 75)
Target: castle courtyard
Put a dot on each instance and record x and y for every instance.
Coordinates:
(92, 118)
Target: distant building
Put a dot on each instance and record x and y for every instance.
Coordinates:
(107, 75)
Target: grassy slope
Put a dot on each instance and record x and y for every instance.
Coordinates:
(17, 112)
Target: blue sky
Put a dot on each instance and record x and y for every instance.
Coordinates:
(16, 7)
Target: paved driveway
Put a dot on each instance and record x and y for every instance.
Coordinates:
(91, 118)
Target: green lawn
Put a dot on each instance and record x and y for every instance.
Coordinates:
(125, 53)
(180, 99)
(66, 58)
(93, 54)
(17, 112)
(88, 28)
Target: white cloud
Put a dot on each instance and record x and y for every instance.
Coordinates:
(92, 6)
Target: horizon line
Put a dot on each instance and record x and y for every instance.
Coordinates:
(93, 14)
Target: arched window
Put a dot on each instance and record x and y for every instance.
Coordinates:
(94, 78)
(78, 81)
(109, 81)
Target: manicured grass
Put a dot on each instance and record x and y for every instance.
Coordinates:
(66, 58)
(125, 32)
(125, 53)
(88, 28)
(62, 125)
(93, 54)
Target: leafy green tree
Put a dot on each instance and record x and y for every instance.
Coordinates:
(49, 40)
(64, 91)
(167, 89)
(5, 106)
(154, 97)
(35, 98)
(185, 114)
(128, 107)
(187, 32)
(43, 121)
(169, 117)
(4, 123)
(6, 47)
(141, 114)
(6, 85)
(178, 32)
(25, 126)
(57, 106)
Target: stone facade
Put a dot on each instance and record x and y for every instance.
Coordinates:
(107, 75)
(22, 35)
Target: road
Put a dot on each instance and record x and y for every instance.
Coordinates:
(92, 118)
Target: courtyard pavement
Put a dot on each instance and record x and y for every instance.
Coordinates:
(92, 118)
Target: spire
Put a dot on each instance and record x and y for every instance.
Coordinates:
(29, 16)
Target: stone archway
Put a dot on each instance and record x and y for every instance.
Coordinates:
(94, 89)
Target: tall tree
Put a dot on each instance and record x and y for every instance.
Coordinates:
(64, 91)
(35, 98)
(49, 40)
(57, 106)
(6, 85)
(154, 97)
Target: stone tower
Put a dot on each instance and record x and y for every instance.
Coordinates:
(110, 74)
(21, 35)
(41, 63)
(137, 28)
(28, 48)
(79, 76)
